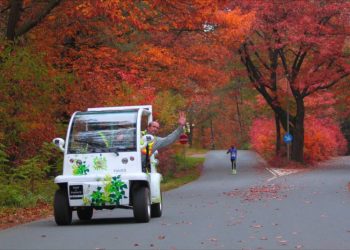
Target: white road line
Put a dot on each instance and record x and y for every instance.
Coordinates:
(276, 172)
(273, 173)
(272, 178)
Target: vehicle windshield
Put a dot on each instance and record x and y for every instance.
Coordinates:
(101, 131)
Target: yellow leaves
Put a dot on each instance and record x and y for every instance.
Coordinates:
(167, 104)
(51, 18)
(86, 9)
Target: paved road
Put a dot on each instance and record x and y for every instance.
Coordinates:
(258, 208)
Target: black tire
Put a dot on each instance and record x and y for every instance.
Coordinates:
(62, 211)
(157, 208)
(142, 204)
(85, 213)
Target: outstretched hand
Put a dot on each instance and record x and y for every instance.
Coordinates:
(182, 118)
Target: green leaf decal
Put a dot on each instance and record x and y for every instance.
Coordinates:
(100, 163)
(79, 168)
(113, 192)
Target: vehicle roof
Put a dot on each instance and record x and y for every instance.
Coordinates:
(146, 107)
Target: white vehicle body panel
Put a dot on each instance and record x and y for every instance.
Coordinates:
(104, 178)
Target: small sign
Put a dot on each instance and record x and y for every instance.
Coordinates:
(183, 139)
(75, 189)
(287, 138)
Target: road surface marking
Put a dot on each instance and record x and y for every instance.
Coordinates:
(277, 172)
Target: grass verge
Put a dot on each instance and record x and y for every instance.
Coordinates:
(188, 169)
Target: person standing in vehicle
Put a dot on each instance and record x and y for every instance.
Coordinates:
(233, 156)
(155, 142)
(160, 142)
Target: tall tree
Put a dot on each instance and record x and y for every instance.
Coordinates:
(299, 44)
(25, 15)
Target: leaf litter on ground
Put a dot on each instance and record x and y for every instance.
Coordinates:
(263, 192)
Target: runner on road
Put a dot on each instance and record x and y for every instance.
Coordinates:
(233, 152)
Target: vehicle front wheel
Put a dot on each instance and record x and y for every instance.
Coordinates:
(85, 213)
(142, 204)
(62, 211)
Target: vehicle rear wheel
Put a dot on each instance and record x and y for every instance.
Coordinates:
(85, 213)
(142, 204)
(62, 210)
(157, 208)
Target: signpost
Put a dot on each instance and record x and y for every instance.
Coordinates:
(184, 140)
(287, 138)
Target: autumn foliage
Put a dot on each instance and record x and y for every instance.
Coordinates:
(57, 57)
(107, 53)
(300, 43)
(323, 139)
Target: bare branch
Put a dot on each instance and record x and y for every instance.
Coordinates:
(259, 57)
(6, 8)
(284, 62)
(307, 90)
(31, 24)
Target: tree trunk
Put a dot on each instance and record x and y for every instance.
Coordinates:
(15, 13)
(190, 135)
(239, 119)
(278, 134)
(203, 138)
(36, 20)
(14, 16)
(298, 132)
(212, 135)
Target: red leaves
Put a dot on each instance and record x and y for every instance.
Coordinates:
(161, 237)
(256, 193)
(13, 216)
(323, 138)
(262, 136)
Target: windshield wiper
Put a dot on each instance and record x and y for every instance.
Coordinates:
(114, 150)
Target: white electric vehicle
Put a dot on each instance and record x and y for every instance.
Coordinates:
(104, 167)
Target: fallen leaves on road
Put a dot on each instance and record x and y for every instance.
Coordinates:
(256, 226)
(273, 191)
(283, 242)
(10, 217)
(161, 237)
(212, 239)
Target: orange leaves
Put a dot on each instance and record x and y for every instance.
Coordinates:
(161, 56)
(233, 26)
(121, 52)
(86, 9)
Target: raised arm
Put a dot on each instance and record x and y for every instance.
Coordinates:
(171, 138)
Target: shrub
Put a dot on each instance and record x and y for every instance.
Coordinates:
(262, 136)
(323, 139)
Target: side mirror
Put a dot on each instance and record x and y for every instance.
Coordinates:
(59, 142)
